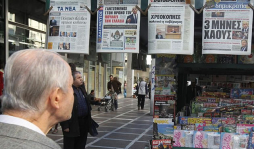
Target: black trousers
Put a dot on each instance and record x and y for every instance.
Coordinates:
(80, 141)
(116, 104)
(75, 142)
(141, 101)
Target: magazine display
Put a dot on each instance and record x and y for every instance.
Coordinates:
(164, 106)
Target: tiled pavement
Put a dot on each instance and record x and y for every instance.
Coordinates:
(126, 128)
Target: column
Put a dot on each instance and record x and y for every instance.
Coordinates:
(130, 77)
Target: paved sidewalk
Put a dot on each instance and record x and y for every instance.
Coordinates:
(126, 128)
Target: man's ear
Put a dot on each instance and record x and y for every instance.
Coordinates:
(55, 98)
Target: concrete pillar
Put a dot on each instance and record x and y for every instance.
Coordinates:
(130, 77)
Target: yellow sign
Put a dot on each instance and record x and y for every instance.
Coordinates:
(50, 45)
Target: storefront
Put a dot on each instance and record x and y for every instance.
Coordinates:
(26, 28)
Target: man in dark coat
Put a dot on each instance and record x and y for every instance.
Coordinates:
(133, 18)
(114, 86)
(244, 45)
(52, 22)
(159, 36)
(76, 129)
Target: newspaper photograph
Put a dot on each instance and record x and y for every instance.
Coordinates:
(226, 27)
(164, 84)
(170, 28)
(69, 26)
(165, 65)
(118, 28)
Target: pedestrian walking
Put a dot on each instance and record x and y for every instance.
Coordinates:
(142, 91)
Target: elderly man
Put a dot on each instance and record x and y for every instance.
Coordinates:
(76, 129)
(37, 95)
(245, 29)
(244, 45)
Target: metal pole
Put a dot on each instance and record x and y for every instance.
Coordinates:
(111, 67)
(152, 86)
(88, 76)
(138, 77)
(99, 80)
(105, 79)
(95, 73)
(47, 34)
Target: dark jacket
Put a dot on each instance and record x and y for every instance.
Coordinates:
(53, 23)
(159, 37)
(132, 18)
(73, 123)
(116, 85)
(83, 88)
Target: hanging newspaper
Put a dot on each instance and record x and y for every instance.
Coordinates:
(69, 26)
(226, 27)
(170, 27)
(118, 26)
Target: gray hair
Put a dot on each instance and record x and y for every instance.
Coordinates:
(74, 74)
(29, 76)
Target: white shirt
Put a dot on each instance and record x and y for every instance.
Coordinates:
(20, 122)
(142, 88)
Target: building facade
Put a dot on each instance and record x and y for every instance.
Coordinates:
(23, 25)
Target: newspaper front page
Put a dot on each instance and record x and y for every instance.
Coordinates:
(170, 27)
(227, 27)
(69, 26)
(118, 26)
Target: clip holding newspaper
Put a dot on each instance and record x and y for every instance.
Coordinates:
(170, 27)
(226, 27)
(118, 26)
(69, 26)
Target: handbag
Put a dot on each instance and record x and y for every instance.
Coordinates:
(93, 131)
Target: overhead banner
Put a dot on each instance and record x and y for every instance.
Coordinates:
(226, 27)
(170, 27)
(118, 26)
(69, 26)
